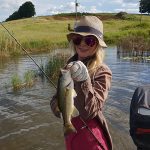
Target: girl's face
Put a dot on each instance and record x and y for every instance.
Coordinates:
(85, 46)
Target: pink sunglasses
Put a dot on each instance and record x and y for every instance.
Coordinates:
(89, 40)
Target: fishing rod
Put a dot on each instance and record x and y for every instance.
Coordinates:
(28, 55)
(86, 126)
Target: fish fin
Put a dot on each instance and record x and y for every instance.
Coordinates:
(75, 112)
(74, 92)
(69, 128)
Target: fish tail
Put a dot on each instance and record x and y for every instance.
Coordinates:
(69, 128)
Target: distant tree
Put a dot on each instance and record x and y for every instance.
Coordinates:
(27, 10)
(14, 16)
(121, 15)
(144, 6)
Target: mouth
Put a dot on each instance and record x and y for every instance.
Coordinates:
(83, 49)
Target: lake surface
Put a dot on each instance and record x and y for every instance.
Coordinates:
(27, 123)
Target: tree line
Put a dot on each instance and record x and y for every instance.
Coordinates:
(26, 10)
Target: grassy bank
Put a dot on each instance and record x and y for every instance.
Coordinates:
(116, 30)
(35, 34)
(48, 32)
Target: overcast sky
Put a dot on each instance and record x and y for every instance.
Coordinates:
(49, 7)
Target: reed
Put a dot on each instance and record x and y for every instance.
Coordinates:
(27, 81)
(16, 82)
(8, 46)
(29, 78)
(52, 68)
(135, 43)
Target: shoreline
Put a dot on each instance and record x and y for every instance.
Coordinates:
(49, 32)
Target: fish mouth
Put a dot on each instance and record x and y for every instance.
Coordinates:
(68, 86)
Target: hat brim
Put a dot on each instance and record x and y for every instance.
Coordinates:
(101, 42)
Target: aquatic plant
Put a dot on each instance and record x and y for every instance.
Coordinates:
(16, 82)
(29, 78)
(27, 81)
(52, 68)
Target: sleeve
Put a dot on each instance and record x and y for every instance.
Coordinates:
(96, 91)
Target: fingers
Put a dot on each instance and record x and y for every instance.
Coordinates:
(78, 71)
(70, 65)
(74, 69)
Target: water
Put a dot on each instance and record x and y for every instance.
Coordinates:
(26, 121)
(127, 76)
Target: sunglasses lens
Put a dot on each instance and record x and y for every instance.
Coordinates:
(77, 40)
(90, 41)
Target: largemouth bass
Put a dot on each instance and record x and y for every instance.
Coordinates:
(66, 94)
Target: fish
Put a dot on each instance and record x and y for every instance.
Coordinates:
(66, 95)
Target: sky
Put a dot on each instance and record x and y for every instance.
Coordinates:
(50, 7)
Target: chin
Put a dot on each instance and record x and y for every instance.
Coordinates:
(83, 56)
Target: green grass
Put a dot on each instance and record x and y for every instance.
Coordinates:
(45, 33)
(117, 29)
(37, 29)
(37, 34)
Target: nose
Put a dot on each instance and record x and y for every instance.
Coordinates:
(82, 42)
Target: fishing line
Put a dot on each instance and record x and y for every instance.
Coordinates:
(28, 54)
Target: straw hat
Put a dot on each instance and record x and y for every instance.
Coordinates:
(89, 25)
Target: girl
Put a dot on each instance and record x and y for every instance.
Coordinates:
(92, 80)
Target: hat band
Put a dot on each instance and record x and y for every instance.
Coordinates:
(89, 30)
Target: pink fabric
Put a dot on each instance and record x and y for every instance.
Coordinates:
(83, 139)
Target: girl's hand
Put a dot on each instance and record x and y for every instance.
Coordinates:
(78, 71)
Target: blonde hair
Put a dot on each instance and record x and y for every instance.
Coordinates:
(95, 61)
